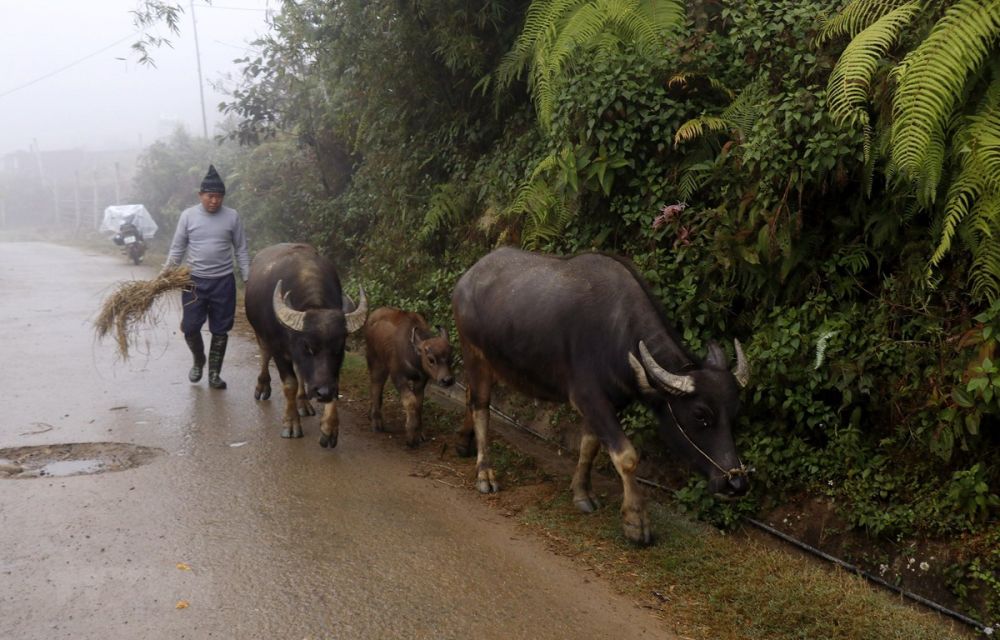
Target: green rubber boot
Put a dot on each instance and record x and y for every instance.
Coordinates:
(216, 354)
(197, 347)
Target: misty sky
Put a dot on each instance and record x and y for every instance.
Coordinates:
(104, 102)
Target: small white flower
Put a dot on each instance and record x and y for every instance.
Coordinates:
(988, 631)
(924, 566)
(882, 568)
(830, 482)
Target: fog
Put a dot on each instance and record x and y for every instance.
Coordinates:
(71, 80)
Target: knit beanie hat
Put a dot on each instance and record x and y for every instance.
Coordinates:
(212, 182)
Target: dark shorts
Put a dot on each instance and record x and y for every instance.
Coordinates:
(212, 298)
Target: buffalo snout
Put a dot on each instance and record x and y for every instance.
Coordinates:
(324, 393)
(447, 381)
(738, 485)
(733, 486)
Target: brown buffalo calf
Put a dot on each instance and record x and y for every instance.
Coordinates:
(400, 345)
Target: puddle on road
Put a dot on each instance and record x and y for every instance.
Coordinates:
(75, 459)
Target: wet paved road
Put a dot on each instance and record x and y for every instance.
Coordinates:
(283, 539)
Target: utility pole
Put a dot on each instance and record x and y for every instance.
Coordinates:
(201, 87)
(76, 200)
(97, 220)
(118, 184)
(55, 202)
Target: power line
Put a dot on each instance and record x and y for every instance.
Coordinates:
(215, 6)
(68, 66)
(235, 46)
(113, 44)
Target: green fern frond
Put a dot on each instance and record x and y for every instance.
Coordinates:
(977, 182)
(543, 201)
(447, 207)
(932, 83)
(985, 136)
(538, 22)
(743, 111)
(545, 165)
(556, 30)
(682, 79)
(963, 194)
(821, 344)
(850, 81)
(696, 128)
(693, 177)
(856, 17)
(583, 26)
(532, 196)
(679, 79)
(689, 184)
(928, 177)
(634, 28)
(718, 86)
(738, 117)
(545, 213)
(984, 273)
(664, 16)
(875, 151)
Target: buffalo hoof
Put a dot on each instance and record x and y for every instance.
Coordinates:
(306, 409)
(378, 427)
(328, 441)
(487, 486)
(636, 529)
(486, 480)
(295, 432)
(414, 441)
(262, 394)
(587, 505)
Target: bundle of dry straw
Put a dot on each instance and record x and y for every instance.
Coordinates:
(131, 305)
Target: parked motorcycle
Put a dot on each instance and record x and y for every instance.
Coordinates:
(130, 240)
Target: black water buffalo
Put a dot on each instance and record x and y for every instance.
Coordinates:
(587, 330)
(401, 346)
(295, 305)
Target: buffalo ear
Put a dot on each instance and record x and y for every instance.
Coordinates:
(716, 357)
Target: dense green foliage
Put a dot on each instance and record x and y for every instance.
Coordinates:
(813, 209)
(942, 136)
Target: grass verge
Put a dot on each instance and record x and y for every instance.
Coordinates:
(704, 584)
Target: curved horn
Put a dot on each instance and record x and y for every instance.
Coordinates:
(742, 371)
(287, 316)
(356, 318)
(640, 373)
(672, 383)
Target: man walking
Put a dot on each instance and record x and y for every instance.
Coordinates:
(209, 233)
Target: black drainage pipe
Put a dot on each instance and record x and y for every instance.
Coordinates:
(855, 570)
(872, 578)
(979, 626)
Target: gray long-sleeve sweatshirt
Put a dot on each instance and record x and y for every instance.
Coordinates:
(209, 240)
